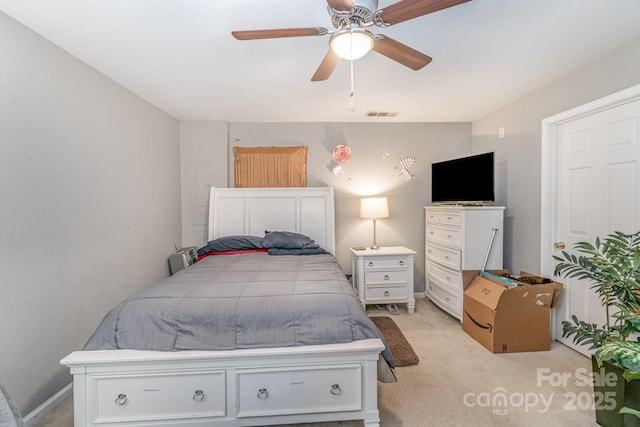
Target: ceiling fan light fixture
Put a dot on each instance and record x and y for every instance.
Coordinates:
(352, 43)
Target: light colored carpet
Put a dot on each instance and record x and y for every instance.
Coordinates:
(459, 383)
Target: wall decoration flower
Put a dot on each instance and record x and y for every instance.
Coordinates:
(342, 154)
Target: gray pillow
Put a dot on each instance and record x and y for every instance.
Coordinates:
(231, 243)
(302, 251)
(287, 240)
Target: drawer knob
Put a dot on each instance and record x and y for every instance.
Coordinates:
(336, 390)
(263, 394)
(370, 264)
(386, 277)
(121, 399)
(198, 396)
(401, 262)
(386, 293)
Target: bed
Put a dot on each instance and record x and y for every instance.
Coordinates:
(168, 374)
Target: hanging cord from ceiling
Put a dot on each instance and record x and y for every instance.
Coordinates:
(352, 96)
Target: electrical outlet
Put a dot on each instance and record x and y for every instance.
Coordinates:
(501, 132)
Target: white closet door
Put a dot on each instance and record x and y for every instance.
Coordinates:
(598, 181)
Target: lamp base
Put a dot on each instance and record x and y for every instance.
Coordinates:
(374, 247)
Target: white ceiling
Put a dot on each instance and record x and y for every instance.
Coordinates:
(180, 55)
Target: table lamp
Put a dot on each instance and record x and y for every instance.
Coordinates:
(374, 208)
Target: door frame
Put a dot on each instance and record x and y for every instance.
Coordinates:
(549, 178)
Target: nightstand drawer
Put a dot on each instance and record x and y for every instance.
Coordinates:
(446, 277)
(375, 293)
(446, 256)
(384, 277)
(445, 235)
(379, 263)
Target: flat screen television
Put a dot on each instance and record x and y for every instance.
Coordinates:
(467, 180)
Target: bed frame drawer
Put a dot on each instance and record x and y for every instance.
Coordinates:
(297, 391)
(159, 396)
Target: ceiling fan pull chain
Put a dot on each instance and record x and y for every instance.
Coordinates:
(352, 97)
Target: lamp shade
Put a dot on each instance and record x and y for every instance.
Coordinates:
(374, 208)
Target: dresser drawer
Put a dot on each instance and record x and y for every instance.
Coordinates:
(444, 217)
(433, 217)
(444, 298)
(447, 278)
(446, 256)
(385, 277)
(298, 390)
(451, 218)
(384, 263)
(159, 396)
(445, 235)
(379, 294)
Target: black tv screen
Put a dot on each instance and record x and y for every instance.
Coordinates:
(467, 180)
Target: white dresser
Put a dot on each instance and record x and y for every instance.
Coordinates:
(457, 238)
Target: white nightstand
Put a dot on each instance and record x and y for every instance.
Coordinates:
(384, 275)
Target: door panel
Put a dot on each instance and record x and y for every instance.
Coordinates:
(598, 178)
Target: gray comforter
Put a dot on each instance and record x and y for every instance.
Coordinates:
(248, 300)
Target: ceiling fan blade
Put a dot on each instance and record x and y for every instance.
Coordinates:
(401, 53)
(279, 33)
(409, 9)
(341, 5)
(328, 64)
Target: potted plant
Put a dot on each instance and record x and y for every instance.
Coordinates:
(611, 267)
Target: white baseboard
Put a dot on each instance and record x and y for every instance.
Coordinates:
(37, 414)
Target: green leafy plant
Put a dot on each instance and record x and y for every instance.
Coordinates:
(611, 266)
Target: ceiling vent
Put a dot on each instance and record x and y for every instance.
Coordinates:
(381, 113)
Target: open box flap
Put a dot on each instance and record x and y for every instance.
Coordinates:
(485, 291)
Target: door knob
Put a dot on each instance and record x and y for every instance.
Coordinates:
(558, 245)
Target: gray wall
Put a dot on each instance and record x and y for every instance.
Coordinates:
(203, 163)
(518, 154)
(90, 190)
(368, 172)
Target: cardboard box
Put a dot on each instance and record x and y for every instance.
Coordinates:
(509, 319)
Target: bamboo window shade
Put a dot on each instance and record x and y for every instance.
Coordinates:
(270, 166)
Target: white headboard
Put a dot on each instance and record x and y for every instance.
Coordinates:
(251, 211)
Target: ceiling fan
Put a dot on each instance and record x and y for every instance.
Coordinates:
(352, 38)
